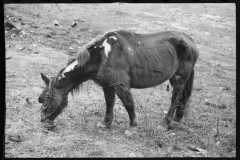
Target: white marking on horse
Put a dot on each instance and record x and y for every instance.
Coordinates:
(130, 50)
(177, 77)
(107, 47)
(70, 67)
(113, 37)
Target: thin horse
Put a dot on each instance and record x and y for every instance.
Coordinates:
(120, 60)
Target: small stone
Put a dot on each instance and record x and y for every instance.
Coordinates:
(192, 147)
(165, 112)
(129, 133)
(221, 89)
(55, 23)
(50, 125)
(159, 143)
(15, 138)
(160, 127)
(202, 151)
(74, 24)
(217, 144)
(176, 147)
(222, 106)
(172, 134)
(100, 125)
(207, 102)
(13, 35)
(23, 33)
(21, 48)
(132, 155)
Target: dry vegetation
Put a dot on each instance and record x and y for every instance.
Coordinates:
(36, 45)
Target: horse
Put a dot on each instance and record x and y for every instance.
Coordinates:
(119, 60)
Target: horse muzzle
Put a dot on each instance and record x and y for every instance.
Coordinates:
(43, 118)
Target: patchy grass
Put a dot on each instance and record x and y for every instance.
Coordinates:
(209, 130)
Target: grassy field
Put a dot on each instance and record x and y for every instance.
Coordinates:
(37, 45)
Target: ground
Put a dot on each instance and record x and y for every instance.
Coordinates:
(35, 45)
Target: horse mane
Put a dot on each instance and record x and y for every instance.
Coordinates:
(83, 56)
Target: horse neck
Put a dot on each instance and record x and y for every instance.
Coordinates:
(72, 83)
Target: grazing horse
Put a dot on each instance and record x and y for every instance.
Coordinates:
(120, 60)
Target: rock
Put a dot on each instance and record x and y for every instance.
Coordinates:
(34, 45)
(192, 147)
(172, 134)
(55, 23)
(74, 24)
(217, 144)
(222, 106)
(13, 35)
(79, 20)
(129, 133)
(9, 26)
(14, 138)
(7, 58)
(48, 36)
(132, 155)
(23, 33)
(159, 143)
(34, 26)
(208, 102)
(21, 48)
(176, 147)
(202, 151)
(50, 125)
(100, 125)
(160, 128)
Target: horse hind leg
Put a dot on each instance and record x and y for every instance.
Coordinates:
(179, 81)
(184, 101)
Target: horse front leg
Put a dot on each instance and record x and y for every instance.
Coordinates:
(126, 97)
(109, 95)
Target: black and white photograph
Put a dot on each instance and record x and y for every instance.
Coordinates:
(91, 80)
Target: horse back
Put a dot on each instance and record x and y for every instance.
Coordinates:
(146, 60)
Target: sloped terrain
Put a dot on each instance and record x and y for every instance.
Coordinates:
(41, 38)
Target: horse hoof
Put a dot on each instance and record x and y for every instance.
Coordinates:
(164, 125)
(100, 125)
(50, 125)
(130, 132)
(176, 119)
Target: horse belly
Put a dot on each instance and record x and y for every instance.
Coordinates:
(144, 78)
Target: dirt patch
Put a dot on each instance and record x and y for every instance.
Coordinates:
(36, 45)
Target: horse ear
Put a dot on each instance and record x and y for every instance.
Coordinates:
(45, 78)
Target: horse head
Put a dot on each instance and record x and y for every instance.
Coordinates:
(52, 98)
